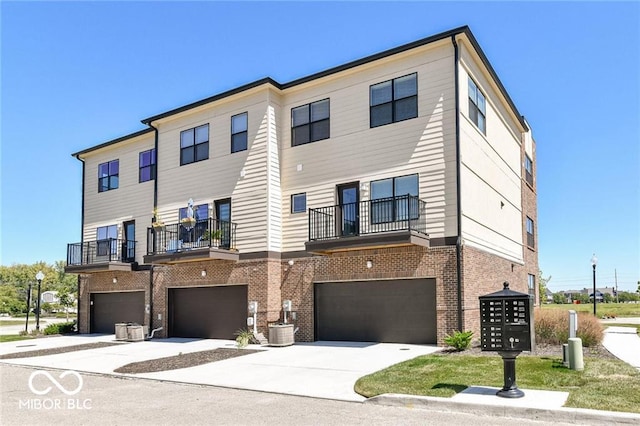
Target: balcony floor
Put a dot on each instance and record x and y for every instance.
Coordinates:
(368, 241)
(98, 267)
(193, 255)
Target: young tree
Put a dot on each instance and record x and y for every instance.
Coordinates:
(66, 301)
(542, 286)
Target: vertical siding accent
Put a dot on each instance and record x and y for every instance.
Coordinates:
(274, 192)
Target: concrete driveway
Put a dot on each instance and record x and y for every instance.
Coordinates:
(319, 369)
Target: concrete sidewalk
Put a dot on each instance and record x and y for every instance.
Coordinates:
(624, 343)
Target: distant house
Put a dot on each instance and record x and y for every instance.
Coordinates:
(50, 297)
(548, 296)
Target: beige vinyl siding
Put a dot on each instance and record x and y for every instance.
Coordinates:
(356, 152)
(130, 201)
(490, 171)
(274, 197)
(219, 177)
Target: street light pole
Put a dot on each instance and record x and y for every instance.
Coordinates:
(39, 277)
(594, 262)
(26, 324)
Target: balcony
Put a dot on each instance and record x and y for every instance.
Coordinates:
(110, 254)
(382, 223)
(184, 242)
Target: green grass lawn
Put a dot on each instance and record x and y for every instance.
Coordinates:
(15, 322)
(13, 338)
(444, 376)
(609, 309)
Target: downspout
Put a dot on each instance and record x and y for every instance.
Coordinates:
(151, 293)
(155, 205)
(155, 181)
(81, 238)
(458, 195)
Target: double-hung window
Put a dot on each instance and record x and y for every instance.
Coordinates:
(393, 100)
(147, 165)
(194, 144)
(310, 122)
(107, 240)
(530, 235)
(108, 175)
(394, 199)
(477, 107)
(239, 132)
(528, 169)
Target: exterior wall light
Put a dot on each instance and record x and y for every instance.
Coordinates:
(369, 264)
(203, 273)
(115, 280)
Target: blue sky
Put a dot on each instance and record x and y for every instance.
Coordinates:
(76, 74)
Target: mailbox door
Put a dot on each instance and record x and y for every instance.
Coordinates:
(516, 338)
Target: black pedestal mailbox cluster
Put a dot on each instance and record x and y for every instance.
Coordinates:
(507, 327)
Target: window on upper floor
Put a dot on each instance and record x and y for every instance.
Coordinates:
(394, 199)
(147, 165)
(194, 144)
(530, 233)
(531, 280)
(528, 169)
(310, 122)
(239, 132)
(107, 240)
(108, 175)
(477, 107)
(393, 100)
(299, 203)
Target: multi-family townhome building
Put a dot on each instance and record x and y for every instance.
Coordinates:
(380, 198)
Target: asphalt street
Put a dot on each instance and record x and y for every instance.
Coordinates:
(102, 400)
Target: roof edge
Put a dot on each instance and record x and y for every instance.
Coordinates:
(377, 56)
(281, 86)
(244, 87)
(311, 77)
(113, 142)
(494, 75)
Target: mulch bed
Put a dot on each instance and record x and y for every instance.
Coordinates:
(54, 351)
(183, 360)
(542, 350)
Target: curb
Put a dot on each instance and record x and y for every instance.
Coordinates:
(579, 416)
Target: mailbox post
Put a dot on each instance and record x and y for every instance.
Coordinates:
(507, 328)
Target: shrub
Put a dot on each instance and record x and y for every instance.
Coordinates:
(552, 327)
(460, 340)
(243, 338)
(51, 329)
(60, 328)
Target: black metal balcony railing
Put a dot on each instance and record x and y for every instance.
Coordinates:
(179, 237)
(101, 251)
(404, 213)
